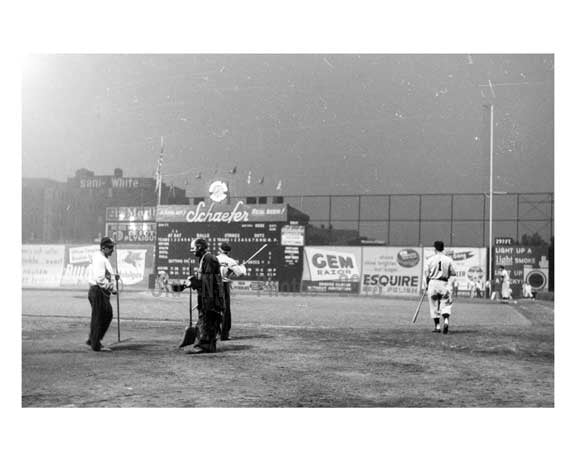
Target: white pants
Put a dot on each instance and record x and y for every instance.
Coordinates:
(506, 291)
(439, 298)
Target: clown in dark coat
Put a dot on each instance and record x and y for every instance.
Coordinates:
(208, 283)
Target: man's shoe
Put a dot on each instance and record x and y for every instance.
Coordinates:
(445, 329)
(105, 349)
(196, 351)
(436, 330)
(88, 343)
(225, 338)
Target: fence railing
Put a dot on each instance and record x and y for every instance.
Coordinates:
(460, 219)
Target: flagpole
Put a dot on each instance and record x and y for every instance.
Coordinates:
(159, 172)
(160, 189)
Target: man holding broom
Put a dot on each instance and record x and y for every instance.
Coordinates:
(208, 283)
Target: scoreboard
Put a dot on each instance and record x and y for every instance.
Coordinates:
(276, 267)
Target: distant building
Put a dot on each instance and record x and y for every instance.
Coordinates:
(42, 210)
(75, 211)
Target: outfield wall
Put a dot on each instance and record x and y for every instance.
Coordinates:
(366, 271)
(68, 266)
(381, 271)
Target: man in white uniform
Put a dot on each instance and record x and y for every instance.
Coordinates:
(101, 287)
(506, 290)
(439, 269)
(229, 268)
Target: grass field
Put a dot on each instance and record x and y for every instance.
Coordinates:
(289, 351)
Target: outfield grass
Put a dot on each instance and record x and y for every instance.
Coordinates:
(289, 351)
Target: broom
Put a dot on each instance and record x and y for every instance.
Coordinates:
(190, 332)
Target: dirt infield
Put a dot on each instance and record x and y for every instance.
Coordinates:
(289, 351)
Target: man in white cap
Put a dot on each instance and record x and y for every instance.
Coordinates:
(229, 268)
(101, 287)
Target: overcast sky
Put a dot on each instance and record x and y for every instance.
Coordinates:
(341, 124)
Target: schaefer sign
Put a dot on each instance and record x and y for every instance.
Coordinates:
(469, 264)
(221, 213)
(391, 271)
(331, 270)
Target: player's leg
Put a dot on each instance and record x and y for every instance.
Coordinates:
(107, 315)
(98, 318)
(93, 333)
(227, 319)
(433, 299)
(445, 310)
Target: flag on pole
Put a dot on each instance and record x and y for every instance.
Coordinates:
(199, 175)
(261, 181)
(279, 186)
(233, 170)
(249, 180)
(159, 165)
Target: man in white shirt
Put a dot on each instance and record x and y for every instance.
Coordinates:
(438, 273)
(101, 287)
(229, 268)
(506, 291)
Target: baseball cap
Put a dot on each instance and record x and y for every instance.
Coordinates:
(439, 245)
(200, 242)
(107, 242)
(225, 247)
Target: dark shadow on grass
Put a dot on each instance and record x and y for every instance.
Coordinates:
(132, 346)
(57, 351)
(234, 347)
(242, 337)
(458, 332)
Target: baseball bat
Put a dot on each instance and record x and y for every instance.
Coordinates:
(254, 255)
(419, 306)
(117, 277)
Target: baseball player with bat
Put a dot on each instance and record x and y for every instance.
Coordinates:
(439, 275)
(229, 268)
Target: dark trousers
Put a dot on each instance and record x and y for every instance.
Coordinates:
(227, 318)
(101, 316)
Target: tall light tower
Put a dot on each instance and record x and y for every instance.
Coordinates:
(491, 192)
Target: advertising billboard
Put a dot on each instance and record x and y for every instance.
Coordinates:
(42, 265)
(134, 232)
(292, 235)
(469, 263)
(524, 264)
(393, 271)
(78, 265)
(331, 270)
(131, 214)
(133, 263)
